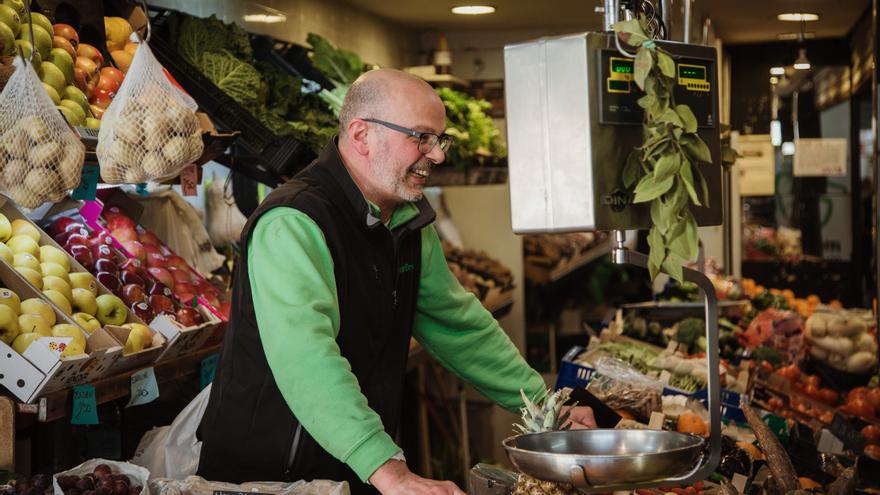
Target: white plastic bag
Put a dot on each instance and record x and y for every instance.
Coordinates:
(173, 451)
(150, 131)
(137, 475)
(41, 157)
(224, 219)
(195, 485)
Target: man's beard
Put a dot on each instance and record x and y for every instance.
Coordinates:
(398, 183)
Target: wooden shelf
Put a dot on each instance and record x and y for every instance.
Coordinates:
(544, 276)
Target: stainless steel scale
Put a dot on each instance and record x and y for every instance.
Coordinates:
(572, 119)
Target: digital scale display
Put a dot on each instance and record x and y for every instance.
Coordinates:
(692, 72)
(621, 66)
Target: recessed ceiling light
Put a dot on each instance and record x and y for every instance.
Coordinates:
(777, 71)
(802, 62)
(798, 16)
(793, 36)
(473, 9)
(265, 18)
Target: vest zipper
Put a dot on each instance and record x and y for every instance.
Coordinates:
(294, 446)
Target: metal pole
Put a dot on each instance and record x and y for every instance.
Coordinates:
(664, 7)
(611, 13)
(687, 22)
(875, 129)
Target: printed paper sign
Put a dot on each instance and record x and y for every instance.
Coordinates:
(820, 157)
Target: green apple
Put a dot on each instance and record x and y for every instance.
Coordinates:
(49, 268)
(84, 280)
(84, 301)
(23, 227)
(10, 17)
(40, 20)
(111, 310)
(60, 300)
(53, 76)
(24, 340)
(31, 276)
(6, 253)
(18, 6)
(26, 260)
(24, 244)
(37, 306)
(7, 40)
(9, 298)
(53, 95)
(74, 94)
(5, 226)
(57, 283)
(75, 108)
(34, 323)
(42, 39)
(70, 116)
(93, 123)
(52, 254)
(27, 50)
(134, 343)
(68, 330)
(8, 324)
(87, 321)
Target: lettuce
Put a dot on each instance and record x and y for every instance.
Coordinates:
(340, 66)
(238, 79)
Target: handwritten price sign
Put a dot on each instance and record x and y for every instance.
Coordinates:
(88, 183)
(144, 388)
(85, 408)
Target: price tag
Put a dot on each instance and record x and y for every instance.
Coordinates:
(88, 183)
(189, 180)
(85, 408)
(144, 388)
(207, 369)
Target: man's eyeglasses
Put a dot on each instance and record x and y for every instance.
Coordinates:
(427, 140)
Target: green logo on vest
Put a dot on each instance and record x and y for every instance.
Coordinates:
(407, 267)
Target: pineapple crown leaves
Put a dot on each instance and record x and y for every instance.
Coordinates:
(665, 171)
(543, 414)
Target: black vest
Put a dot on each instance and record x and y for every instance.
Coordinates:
(248, 431)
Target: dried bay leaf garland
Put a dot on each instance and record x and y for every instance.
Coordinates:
(665, 169)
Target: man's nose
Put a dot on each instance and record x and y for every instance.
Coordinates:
(437, 155)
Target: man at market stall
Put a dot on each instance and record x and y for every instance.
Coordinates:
(340, 266)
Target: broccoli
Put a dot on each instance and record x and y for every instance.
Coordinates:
(689, 330)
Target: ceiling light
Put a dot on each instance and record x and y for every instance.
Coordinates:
(802, 62)
(793, 36)
(798, 17)
(774, 80)
(473, 9)
(775, 132)
(788, 148)
(777, 71)
(265, 18)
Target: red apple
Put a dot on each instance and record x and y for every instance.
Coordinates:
(131, 265)
(60, 225)
(75, 239)
(108, 84)
(88, 66)
(102, 237)
(114, 73)
(149, 238)
(135, 249)
(180, 276)
(106, 265)
(110, 281)
(132, 293)
(225, 308)
(161, 275)
(100, 251)
(177, 262)
(151, 248)
(90, 52)
(143, 311)
(162, 303)
(157, 287)
(156, 260)
(131, 278)
(67, 32)
(188, 317)
(83, 255)
(101, 98)
(124, 234)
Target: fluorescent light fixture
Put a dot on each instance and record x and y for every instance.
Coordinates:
(473, 9)
(788, 148)
(776, 132)
(777, 71)
(265, 18)
(798, 17)
(802, 62)
(793, 36)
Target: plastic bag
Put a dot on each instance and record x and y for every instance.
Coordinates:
(620, 386)
(195, 485)
(173, 451)
(150, 131)
(224, 219)
(136, 474)
(41, 158)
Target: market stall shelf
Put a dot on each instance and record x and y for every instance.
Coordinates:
(543, 275)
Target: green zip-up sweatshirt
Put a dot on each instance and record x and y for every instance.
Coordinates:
(291, 277)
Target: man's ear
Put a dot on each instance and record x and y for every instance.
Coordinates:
(358, 133)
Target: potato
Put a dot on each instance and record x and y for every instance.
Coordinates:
(24, 198)
(35, 127)
(45, 154)
(40, 181)
(16, 143)
(176, 150)
(155, 165)
(196, 147)
(14, 172)
(70, 166)
(124, 154)
(134, 176)
(129, 128)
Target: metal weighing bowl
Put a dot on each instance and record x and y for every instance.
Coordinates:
(596, 460)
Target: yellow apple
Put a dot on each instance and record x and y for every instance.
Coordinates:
(68, 330)
(8, 324)
(23, 227)
(84, 280)
(26, 260)
(6, 253)
(31, 276)
(24, 340)
(5, 228)
(73, 348)
(57, 283)
(134, 343)
(145, 331)
(60, 300)
(23, 244)
(10, 299)
(34, 324)
(37, 306)
(54, 255)
(88, 322)
(54, 269)
(84, 301)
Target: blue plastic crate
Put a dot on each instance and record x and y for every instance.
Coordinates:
(572, 374)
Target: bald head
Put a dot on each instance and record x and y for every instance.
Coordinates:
(384, 94)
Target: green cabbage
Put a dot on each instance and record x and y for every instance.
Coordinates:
(238, 79)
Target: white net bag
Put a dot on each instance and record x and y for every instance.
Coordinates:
(41, 157)
(150, 131)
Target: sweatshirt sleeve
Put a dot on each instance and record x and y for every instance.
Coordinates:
(294, 293)
(461, 334)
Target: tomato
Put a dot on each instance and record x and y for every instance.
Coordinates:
(871, 433)
(860, 407)
(827, 417)
(775, 403)
(874, 397)
(860, 392)
(792, 372)
(828, 396)
(873, 451)
(812, 392)
(813, 380)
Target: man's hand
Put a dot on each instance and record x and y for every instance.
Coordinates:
(580, 418)
(394, 477)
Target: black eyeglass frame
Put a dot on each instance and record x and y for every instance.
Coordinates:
(444, 140)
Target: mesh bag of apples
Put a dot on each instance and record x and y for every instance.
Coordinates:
(150, 131)
(41, 157)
